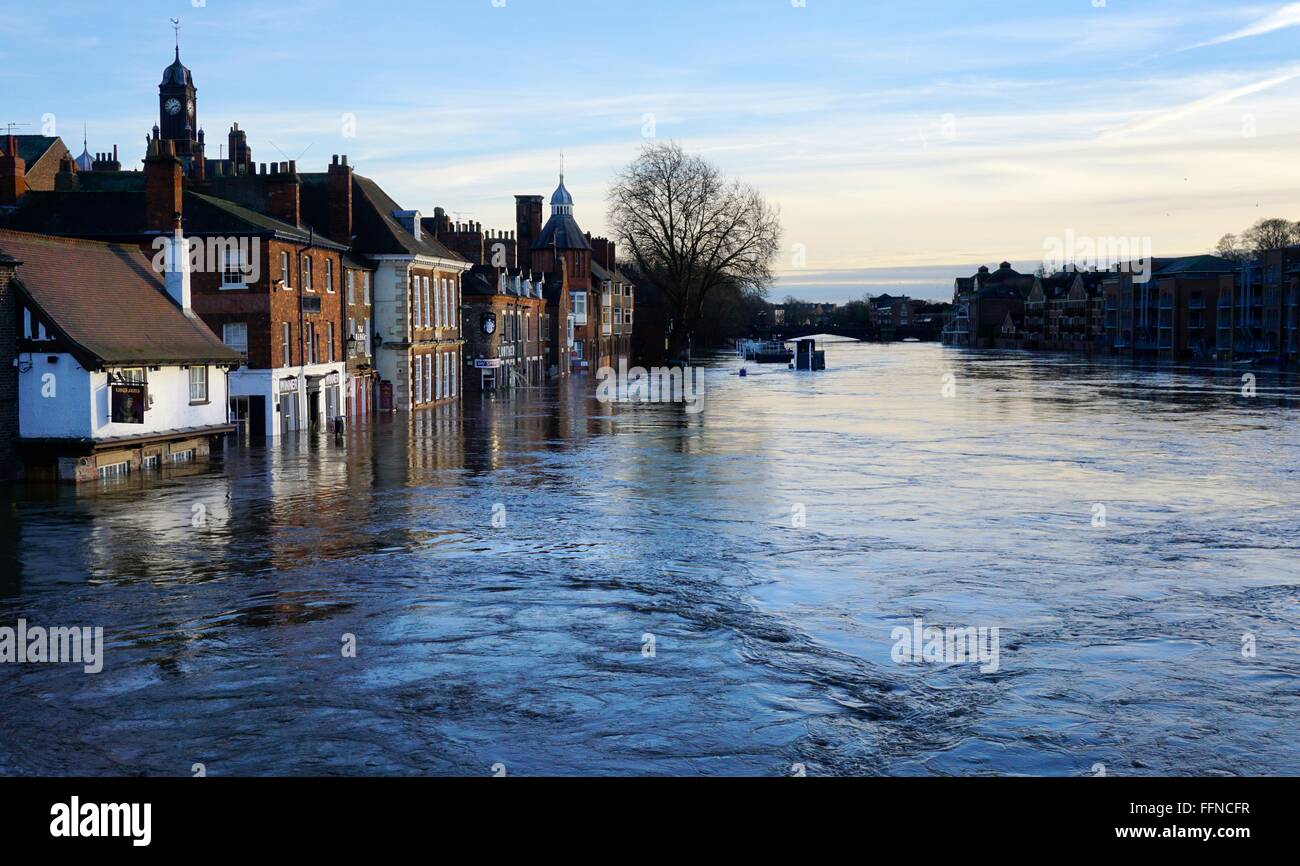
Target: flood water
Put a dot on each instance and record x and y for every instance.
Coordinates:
(764, 549)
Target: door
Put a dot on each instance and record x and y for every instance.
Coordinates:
(257, 417)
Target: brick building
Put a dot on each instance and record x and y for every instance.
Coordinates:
(29, 162)
(8, 369)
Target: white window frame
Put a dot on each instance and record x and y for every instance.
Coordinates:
(286, 348)
(428, 378)
(329, 335)
(225, 336)
(428, 314)
(202, 384)
(365, 287)
(306, 274)
(284, 271)
(329, 276)
(233, 265)
(415, 302)
(417, 390)
(351, 279)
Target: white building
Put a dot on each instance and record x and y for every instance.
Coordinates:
(116, 374)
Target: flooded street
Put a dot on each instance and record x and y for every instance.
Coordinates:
(709, 593)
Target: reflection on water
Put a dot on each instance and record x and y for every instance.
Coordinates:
(225, 592)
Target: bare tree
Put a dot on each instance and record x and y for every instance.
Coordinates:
(691, 231)
(1232, 248)
(1271, 234)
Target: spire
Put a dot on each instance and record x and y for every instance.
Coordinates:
(176, 25)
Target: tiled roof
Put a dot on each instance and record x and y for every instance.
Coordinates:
(561, 231)
(32, 147)
(377, 232)
(120, 215)
(109, 303)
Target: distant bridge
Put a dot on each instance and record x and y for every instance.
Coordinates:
(861, 333)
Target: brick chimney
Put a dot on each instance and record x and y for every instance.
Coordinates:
(340, 202)
(13, 173)
(162, 187)
(284, 193)
(528, 222)
(241, 155)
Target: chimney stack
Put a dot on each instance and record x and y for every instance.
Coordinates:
(284, 193)
(13, 173)
(162, 187)
(339, 202)
(528, 221)
(177, 276)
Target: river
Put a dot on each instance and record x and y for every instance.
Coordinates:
(541, 584)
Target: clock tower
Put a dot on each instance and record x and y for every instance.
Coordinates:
(177, 117)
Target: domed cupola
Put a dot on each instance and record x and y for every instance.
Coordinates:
(177, 75)
(561, 201)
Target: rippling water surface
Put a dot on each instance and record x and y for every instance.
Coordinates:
(523, 644)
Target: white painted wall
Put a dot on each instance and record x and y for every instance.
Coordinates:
(53, 398)
(79, 405)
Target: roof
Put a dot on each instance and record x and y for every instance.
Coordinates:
(561, 231)
(1192, 265)
(108, 302)
(120, 215)
(177, 74)
(32, 147)
(600, 273)
(377, 231)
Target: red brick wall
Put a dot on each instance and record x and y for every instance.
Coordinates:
(8, 374)
(265, 305)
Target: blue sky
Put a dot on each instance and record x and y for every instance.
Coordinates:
(905, 142)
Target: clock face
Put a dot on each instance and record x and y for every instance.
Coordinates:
(173, 106)
(189, 106)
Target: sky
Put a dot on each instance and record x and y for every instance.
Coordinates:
(905, 143)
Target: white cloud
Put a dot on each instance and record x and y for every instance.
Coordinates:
(1280, 19)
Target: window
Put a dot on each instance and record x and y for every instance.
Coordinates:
(150, 461)
(285, 343)
(365, 287)
(235, 335)
(329, 335)
(605, 326)
(415, 291)
(446, 302)
(306, 274)
(438, 380)
(309, 343)
(114, 470)
(417, 393)
(352, 296)
(454, 368)
(428, 378)
(329, 276)
(627, 315)
(284, 270)
(352, 342)
(131, 376)
(365, 337)
(198, 384)
(232, 269)
(580, 308)
(427, 312)
(186, 456)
